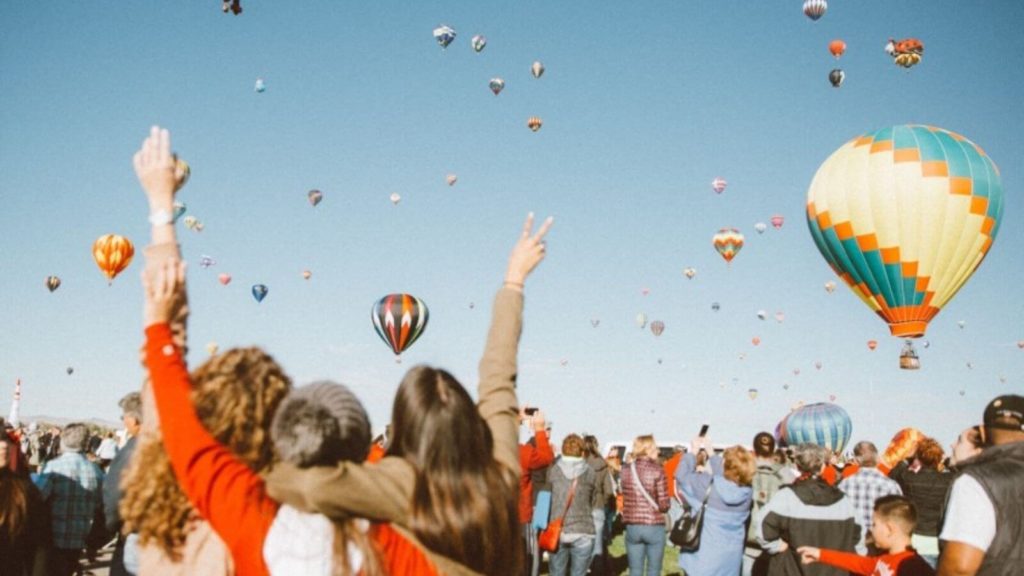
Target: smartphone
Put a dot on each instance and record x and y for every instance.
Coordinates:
(703, 430)
(530, 411)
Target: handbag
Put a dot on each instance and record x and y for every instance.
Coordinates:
(550, 536)
(686, 531)
(643, 491)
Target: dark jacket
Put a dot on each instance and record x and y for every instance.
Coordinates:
(111, 501)
(927, 489)
(604, 483)
(807, 513)
(25, 553)
(579, 519)
(1000, 471)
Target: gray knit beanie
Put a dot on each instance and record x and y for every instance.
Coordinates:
(322, 423)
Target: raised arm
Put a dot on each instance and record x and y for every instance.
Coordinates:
(498, 405)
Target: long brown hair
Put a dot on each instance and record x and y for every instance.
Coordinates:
(465, 503)
(235, 395)
(13, 496)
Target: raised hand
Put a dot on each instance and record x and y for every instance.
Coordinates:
(163, 288)
(157, 169)
(527, 253)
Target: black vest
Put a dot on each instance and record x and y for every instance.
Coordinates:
(1000, 471)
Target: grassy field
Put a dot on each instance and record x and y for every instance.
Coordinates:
(620, 567)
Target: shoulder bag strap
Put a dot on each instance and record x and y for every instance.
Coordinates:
(640, 485)
(572, 492)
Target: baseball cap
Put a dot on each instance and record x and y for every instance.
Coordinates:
(1005, 413)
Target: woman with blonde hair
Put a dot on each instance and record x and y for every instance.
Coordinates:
(644, 504)
(726, 490)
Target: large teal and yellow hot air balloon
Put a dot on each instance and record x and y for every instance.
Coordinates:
(905, 215)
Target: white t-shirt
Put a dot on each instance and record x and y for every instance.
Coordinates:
(970, 515)
(303, 543)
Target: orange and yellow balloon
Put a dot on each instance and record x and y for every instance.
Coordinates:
(728, 242)
(905, 215)
(113, 253)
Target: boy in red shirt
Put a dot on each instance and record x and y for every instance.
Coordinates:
(893, 525)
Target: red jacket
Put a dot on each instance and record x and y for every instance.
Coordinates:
(532, 458)
(636, 509)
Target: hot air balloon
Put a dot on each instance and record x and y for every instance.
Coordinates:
(796, 371)
(657, 327)
(177, 209)
(534, 123)
(970, 366)
(212, 348)
(259, 292)
(836, 77)
(962, 392)
(728, 242)
(224, 279)
(824, 424)
(817, 365)
(715, 306)
(785, 386)
(777, 221)
(595, 322)
(755, 340)
(306, 274)
(206, 261)
(837, 48)
(760, 227)
(904, 216)
(497, 85)
(52, 282)
(444, 35)
(1020, 344)
(399, 320)
(872, 344)
(752, 393)
(564, 362)
(478, 43)
(689, 273)
(395, 198)
(645, 291)
(718, 185)
(113, 254)
(830, 286)
(190, 222)
(761, 314)
(182, 172)
(261, 86)
(906, 52)
(451, 179)
(902, 446)
(70, 370)
(815, 9)
(926, 344)
(537, 69)
(641, 320)
(961, 324)
(908, 357)
(314, 196)
(779, 317)
(831, 397)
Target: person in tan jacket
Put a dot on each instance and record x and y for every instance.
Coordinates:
(449, 481)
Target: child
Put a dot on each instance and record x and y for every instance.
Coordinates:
(893, 524)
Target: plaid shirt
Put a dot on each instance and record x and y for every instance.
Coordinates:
(72, 487)
(863, 488)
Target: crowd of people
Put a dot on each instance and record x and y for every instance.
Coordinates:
(231, 469)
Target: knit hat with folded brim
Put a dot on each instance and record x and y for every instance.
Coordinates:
(321, 424)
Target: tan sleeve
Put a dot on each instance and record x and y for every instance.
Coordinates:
(381, 491)
(154, 256)
(498, 405)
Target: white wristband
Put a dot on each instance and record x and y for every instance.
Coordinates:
(161, 218)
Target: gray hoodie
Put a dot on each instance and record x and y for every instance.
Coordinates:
(578, 521)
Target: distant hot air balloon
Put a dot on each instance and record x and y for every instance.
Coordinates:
(785, 386)
(830, 286)
(836, 77)
(1020, 344)
(260, 86)
(826, 425)
(752, 393)
(641, 320)
(715, 306)
(444, 35)
(395, 198)
(961, 324)
(817, 365)
(815, 9)
(478, 43)
(657, 327)
(497, 85)
(212, 348)
(52, 282)
(970, 366)
(831, 397)
(70, 370)
(906, 52)
(777, 221)
(595, 322)
(926, 344)
(760, 227)
(314, 196)
(306, 274)
(728, 242)
(224, 279)
(182, 172)
(206, 261)
(113, 254)
(399, 320)
(689, 273)
(779, 317)
(962, 392)
(534, 123)
(761, 314)
(177, 209)
(451, 179)
(904, 216)
(564, 362)
(796, 371)
(537, 69)
(718, 185)
(755, 340)
(872, 344)
(259, 292)
(837, 48)
(190, 222)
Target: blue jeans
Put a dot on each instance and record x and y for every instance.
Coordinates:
(645, 542)
(574, 557)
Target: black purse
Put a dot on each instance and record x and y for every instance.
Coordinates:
(686, 531)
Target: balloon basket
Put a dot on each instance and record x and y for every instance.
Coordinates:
(908, 357)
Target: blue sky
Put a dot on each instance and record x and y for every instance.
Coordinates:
(643, 105)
